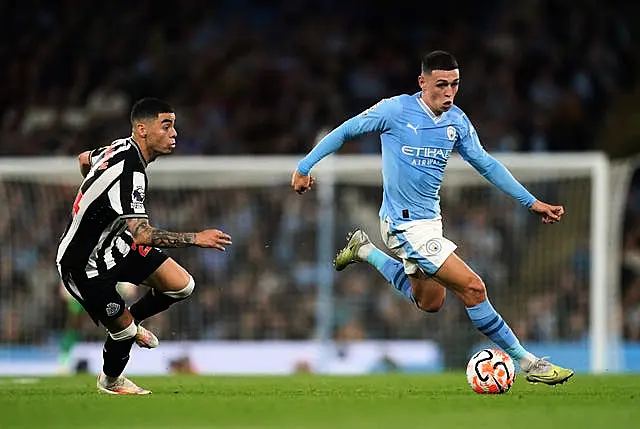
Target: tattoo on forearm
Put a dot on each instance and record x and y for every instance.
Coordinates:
(161, 238)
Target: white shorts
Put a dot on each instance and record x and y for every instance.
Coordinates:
(418, 243)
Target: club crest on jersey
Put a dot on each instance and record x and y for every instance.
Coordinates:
(112, 309)
(137, 198)
(451, 133)
(434, 246)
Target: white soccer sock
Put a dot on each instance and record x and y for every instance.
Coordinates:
(527, 361)
(364, 251)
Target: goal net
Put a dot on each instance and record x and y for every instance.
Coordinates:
(551, 283)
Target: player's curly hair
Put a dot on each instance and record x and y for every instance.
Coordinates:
(438, 60)
(149, 108)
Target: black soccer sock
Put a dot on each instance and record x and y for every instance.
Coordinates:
(115, 356)
(151, 304)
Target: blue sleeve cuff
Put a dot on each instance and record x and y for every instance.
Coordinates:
(303, 167)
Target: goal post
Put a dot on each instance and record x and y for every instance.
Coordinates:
(552, 283)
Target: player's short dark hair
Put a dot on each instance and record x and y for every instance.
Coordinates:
(438, 60)
(149, 108)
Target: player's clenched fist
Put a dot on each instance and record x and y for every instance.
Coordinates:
(548, 213)
(213, 238)
(301, 183)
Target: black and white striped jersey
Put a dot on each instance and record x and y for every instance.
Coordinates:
(96, 238)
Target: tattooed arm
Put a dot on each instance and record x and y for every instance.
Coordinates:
(147, 235)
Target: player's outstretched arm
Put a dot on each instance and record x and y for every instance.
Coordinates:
(374, 119)
(147, 235)
(301, 180)
(494, 171)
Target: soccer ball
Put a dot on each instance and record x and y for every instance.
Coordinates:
(491, 371)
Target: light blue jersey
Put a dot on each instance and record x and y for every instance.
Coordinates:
(416, 146)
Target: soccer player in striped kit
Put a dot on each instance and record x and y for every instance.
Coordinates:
(109, 240)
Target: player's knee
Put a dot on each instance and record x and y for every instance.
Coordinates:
(183, 293)
(475, 292)
(432, 304)
(125, 334)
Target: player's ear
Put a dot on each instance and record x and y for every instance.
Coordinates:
(421, 81)
(140, 128)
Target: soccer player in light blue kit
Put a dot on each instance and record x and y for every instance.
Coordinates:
(418, 133)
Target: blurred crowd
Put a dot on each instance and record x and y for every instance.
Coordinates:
(254, 77)
(266, 285)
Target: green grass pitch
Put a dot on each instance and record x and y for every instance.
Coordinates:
(309, 401)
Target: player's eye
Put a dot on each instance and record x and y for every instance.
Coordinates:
(455, 84)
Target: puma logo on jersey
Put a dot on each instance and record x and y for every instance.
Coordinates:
(413, 127)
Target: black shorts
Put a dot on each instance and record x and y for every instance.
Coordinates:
(98, 295)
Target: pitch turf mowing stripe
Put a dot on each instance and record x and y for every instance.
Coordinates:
(383, 401)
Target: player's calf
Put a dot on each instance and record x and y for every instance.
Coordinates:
(154, 301)
(429, 305)
(117, 347)
(469, 287)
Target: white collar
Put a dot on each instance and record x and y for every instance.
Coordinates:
(428, 111)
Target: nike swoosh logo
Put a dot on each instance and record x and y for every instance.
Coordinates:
(546, 377)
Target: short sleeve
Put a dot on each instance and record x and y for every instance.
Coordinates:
(127, 196)
(95, 154)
